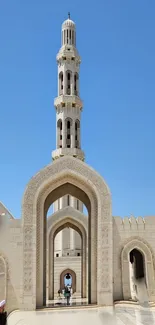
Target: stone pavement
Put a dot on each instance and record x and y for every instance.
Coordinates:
(119, 315)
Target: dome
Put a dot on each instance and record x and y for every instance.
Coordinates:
(68, 23)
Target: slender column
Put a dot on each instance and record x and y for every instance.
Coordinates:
(84, 267)
(72, 239)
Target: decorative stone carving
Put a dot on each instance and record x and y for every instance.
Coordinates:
(81, 176)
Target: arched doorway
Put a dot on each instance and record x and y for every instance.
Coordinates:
(137, 273)
(74, 223)
(137, 265)
(68, 276)
(67, 175)
(79, 223)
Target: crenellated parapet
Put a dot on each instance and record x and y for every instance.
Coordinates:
(134, 223)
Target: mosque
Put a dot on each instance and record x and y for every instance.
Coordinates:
(104, 258)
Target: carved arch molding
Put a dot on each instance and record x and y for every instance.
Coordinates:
(67, 170)
(141, 245)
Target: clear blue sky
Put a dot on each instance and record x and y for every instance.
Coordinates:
(117, 80)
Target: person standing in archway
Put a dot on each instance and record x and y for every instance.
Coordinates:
(67, 295)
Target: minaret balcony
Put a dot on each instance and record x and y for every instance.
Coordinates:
(68, 100)
(74, 152)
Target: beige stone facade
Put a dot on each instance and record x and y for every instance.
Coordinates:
(108, 258)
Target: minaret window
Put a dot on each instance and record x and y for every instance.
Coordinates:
(68, 132)
(68, 200)
(76, 77)
(68, 82)
(70, 37)
(60, 83)
(59, 134)
(77, 204)
(77, 133)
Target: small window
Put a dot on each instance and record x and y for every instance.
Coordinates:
(68, 200)
(57, 255)
(77, 204)
(67, 254)
(78, 254)
(68, 136)
(73, 59)
(60, 136)
(68, 124)
(60, 146)
(68, 146)
(76, 137)
(63, 104)
(73, 104)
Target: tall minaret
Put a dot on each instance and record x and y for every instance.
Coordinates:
(68, 103)
(68, 117)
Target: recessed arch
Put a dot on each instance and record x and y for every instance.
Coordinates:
(56, 226)
(142, 246)
(62, 171)
(62, 275)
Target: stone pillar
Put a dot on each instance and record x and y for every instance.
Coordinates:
(126, 280)
(72, 239)
(58, 244)
(64, 82)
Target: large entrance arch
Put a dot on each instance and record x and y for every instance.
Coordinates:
(67, 175)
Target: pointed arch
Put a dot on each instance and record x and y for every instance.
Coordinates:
(77, 134)
(73, 275)
(68, 81)
(67, 175)
(61, 81)
(144, 248)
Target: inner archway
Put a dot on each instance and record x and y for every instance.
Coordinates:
(65, 281)
(77, 225)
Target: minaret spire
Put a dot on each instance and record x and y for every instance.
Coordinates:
(69, 15)
(68, 103)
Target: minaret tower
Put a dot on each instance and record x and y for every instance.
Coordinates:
(68, 103)
(68, 117)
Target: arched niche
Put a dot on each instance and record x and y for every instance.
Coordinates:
(64, 222)
(148, 260)
(67, 175)
(73, 275)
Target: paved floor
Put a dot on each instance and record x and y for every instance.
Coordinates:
(124, 314)
(74, 301)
